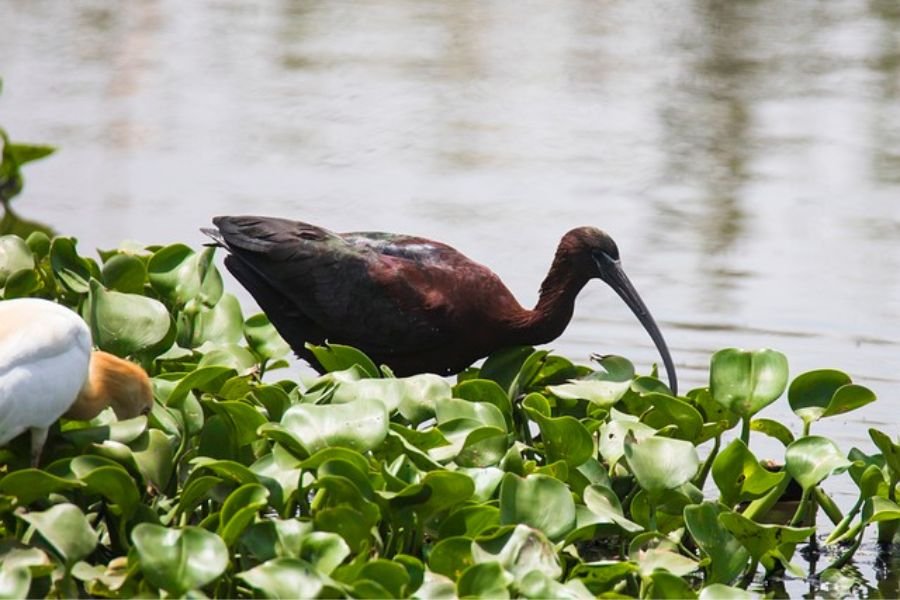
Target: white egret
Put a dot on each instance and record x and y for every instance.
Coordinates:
(48, 370)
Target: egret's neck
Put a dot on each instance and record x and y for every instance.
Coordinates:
(115, 382)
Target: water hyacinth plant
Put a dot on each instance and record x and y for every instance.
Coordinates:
(529, 476)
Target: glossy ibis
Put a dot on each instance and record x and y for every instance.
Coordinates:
(48, 370)
(408, 302)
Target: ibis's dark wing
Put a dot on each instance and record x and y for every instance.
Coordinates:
(384, 293)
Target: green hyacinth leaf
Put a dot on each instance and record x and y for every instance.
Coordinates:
(811, 459)
(720, 591)
(15, 255)
(847, 398)
(176, 272)
(124, 273)
(766, 543)
(222, 323)
(128, 324)
(264, 339)
(739, 475)
(286, 578)
(28, 485)
(661, 464)
(727, 556)
(450, 409)
(504, 365)
(520, 550)
(612, 437)
(485, 580)
(179, 560)
(773, 429)
(360, 425)
(66, 529)
(877, 509)
(414, 398)
(71, 270)
(889, 450)
(239, 510)
(451, 556)
(565, 438)
(811, 392)
(538, 501)
(14, 582)
(485, 390)
(745, 381)
(603, 393)
(668, 410)
(664, 586)
(336, 357)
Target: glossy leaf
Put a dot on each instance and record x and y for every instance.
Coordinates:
(719, 591)
(126, 324)
(661, 464)
(538, 501)
(14, 582)
(774, 429)
(451, 556)
(824, 393)
(740, 476)
(519, 550)
(220, 324)
(125, 273)
(600, 392)
(612, 437)
(564, 438)
(668, 410)
(448, 409)
(336, 357)
(665, 585)
(176, 272)
(766, 543)
(745, 381)
(15, 256)
(263, 338)
(239, 509)
(360, 425)
(285, 578)
(28, 485)
(179, 560)
(726, 554)
(484, 580)
(889, 449)
(414, 398)
(811, 459)
(66, 529)
(602, 502)
(71, 270)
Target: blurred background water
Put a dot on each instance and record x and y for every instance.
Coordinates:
(745, 155)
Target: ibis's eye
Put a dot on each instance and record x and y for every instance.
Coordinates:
(146, 411)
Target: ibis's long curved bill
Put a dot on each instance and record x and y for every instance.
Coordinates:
(615, 277)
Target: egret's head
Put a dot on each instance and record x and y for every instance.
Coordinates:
(125, 385)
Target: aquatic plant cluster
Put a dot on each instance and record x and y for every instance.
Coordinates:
(530, 476)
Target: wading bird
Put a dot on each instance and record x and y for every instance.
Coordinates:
(411, 303)
(47, 370)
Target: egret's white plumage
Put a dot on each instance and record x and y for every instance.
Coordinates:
(47, 370)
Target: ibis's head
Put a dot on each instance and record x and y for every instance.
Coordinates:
(597, 256)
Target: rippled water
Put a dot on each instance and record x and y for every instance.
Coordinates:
(745, 155)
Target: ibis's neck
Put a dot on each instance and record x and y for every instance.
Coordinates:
(556, 303)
